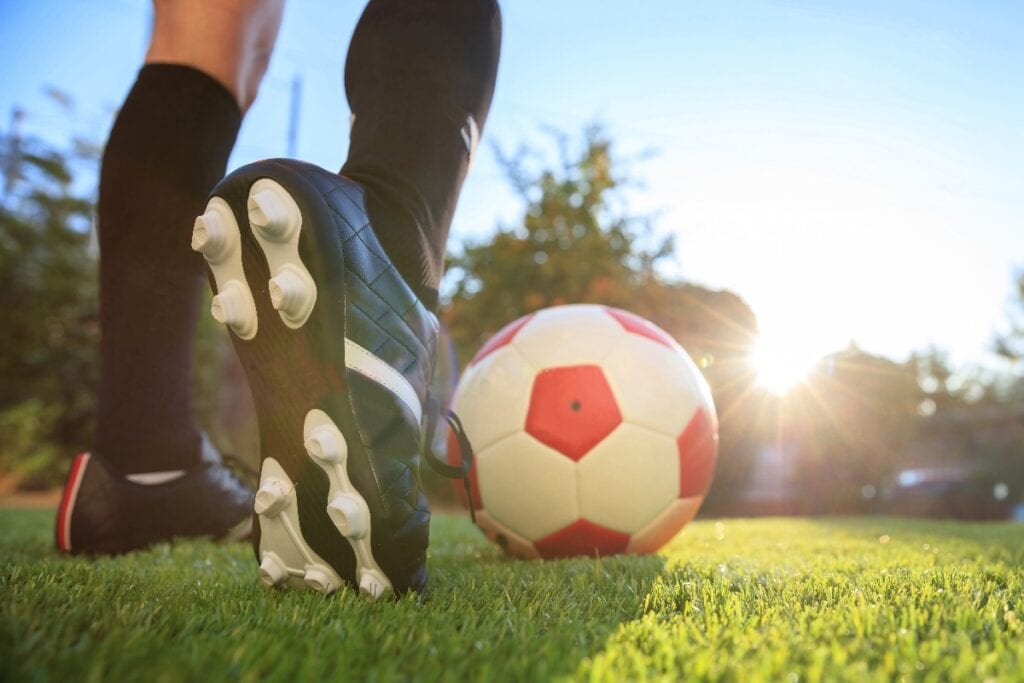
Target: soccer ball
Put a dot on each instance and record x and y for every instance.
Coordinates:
(594, 434)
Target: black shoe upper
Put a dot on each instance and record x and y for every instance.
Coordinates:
(112, 514)
(385, 317)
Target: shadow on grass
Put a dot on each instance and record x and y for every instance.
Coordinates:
(195, 610)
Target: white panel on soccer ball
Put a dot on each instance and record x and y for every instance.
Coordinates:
(493, 397)
(665, 526)
(527, 486)
(628, 479)
(568, 335)
(655, 387)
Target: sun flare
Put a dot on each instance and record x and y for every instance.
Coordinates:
(779, 366)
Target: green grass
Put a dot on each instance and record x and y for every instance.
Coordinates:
(773, 600)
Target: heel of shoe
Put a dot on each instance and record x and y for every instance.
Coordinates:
(62, 532)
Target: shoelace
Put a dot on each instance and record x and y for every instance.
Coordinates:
(460, 471)
(240, 469)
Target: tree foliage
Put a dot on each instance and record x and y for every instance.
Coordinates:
(48, 328)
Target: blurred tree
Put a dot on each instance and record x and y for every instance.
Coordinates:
(577, 243)
(1010, 344)
(853, 420)
(48, 329)
(571, 246)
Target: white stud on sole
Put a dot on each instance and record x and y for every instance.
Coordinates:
(215, 235)
(319, 578)
(276, 223)
(373, 584)
(272, 570)
(285, 557)
(270, 212)
(232, 306)
(327, 444)
(350, 514)
(291, 293)
(211, 238)
(272, 497)
(346, 507)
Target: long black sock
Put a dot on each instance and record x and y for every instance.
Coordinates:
(168, 147)
(417, 70)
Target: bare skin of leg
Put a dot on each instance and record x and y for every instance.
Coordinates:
(229, 40)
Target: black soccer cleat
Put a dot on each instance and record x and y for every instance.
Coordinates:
(339, 354)
(104, 512)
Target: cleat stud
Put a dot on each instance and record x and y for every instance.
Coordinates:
(271, 498)
(372, 584)
(231, 307)
(272, 571)
(269, 214)
(327, 444)
(289, 293)
(319, 579)
(200, 235)
(209, 237)
(350, 515)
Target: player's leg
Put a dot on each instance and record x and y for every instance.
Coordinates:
(168, 147)
(419, 79)
(328, 283)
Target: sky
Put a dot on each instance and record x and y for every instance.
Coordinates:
(853, 170)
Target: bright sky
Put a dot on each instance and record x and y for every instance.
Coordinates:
(852, 169)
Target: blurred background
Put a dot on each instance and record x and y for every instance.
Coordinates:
(821, 201)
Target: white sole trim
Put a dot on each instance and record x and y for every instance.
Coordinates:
(285, 557)
(346, 507)
(276, 223)
(215, 235)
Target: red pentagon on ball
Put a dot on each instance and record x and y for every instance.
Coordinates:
(582, 538)
(572, 409)
(502, 337)
(636, 325)
(698, 448)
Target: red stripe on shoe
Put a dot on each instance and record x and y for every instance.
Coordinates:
(67, 502)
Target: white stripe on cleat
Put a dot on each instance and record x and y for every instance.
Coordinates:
(215, 235)
(276, 223)
(346, 507)
(285, 557)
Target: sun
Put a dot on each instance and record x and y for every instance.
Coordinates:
(780, 366)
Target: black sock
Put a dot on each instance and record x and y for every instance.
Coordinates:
(416, 69)
(169, 146)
